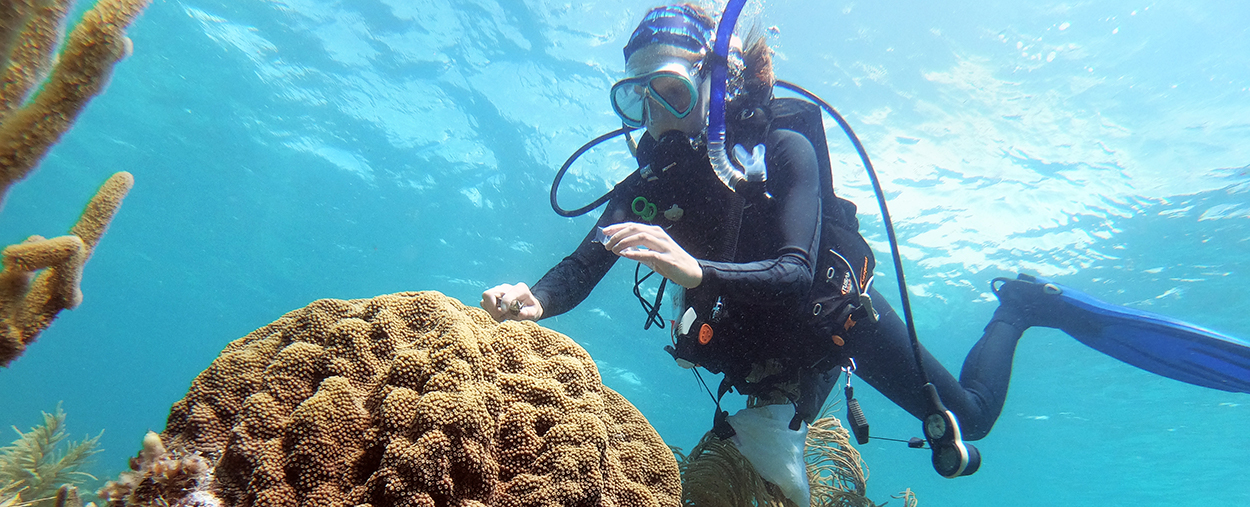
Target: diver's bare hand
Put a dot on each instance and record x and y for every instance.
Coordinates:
(653, 246)
(511, 302)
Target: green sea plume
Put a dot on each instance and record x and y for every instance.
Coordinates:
(35, 466)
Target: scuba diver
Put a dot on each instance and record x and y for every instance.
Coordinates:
(772, 274)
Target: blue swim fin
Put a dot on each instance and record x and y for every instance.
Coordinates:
(1152, 342)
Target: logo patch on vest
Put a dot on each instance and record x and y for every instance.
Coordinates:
(847, 284)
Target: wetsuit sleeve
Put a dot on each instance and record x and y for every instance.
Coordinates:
(786, 278)
(569, 282)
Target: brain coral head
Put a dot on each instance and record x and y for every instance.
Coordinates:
(416, 399)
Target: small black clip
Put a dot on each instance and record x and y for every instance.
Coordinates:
(721, 427)
(854, 414)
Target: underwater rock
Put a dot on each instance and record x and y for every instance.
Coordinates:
(415, 399)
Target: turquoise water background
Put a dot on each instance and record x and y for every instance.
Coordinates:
(289, 151)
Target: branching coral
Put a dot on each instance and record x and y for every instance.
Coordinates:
(66, 496)
(26, 307)
(33, 467)
(715, 474)
(413, 399)
(29, 33)
(908, 497)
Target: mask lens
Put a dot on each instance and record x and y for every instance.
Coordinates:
(627, 100)
(675, 91)
(668, 86)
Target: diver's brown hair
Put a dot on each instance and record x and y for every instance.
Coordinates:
(758, 78)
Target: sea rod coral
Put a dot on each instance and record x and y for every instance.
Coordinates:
(29, 125)
(409, 399)
(29, 33)
(27, 307)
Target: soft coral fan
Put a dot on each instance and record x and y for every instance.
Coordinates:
(32, 468)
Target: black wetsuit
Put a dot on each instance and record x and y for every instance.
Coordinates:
(765, 275)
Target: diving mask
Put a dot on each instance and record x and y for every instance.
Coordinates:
(671, 85)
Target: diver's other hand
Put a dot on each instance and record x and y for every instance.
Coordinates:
(511, 302)
(653, 246)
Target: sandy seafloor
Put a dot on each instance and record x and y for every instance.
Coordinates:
(290, 151)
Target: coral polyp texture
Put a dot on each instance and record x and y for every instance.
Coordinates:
(29, 33)
(29, 302)
(414, 399)
(29, 36)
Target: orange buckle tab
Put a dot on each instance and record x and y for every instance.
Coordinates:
(850, 323)
(705, 334)
(863, 276)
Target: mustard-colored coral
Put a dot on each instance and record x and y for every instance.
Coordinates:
(26, 307)
(837, 474)
(413, 399)
(29, 32)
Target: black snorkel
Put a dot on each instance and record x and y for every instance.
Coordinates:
(951, 457)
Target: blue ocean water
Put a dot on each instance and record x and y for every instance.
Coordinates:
(286, 151)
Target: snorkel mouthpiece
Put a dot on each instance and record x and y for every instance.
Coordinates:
(725, 170)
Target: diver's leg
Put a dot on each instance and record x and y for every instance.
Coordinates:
(987, 369)
(884, 357)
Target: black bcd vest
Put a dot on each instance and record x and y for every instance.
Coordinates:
(726, 339)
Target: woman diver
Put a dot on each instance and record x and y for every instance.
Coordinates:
(768, 273)
(748, 243)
